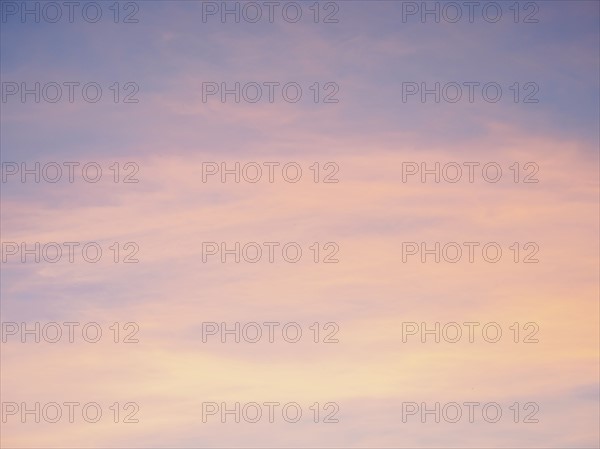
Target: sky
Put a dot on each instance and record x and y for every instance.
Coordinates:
(421, 260)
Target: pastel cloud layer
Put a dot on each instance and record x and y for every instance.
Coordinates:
(369, 213)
